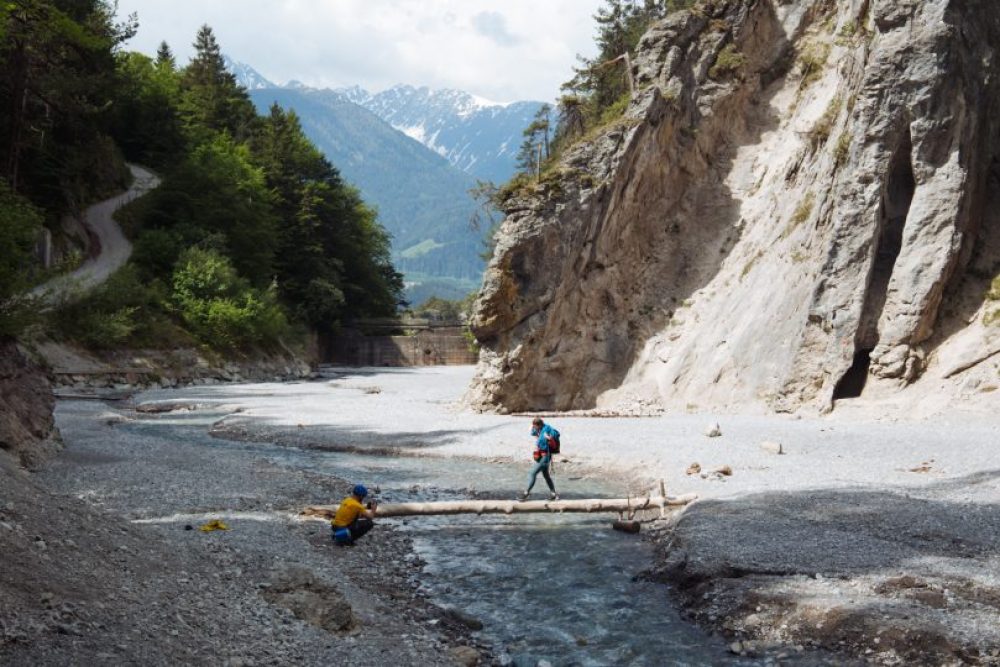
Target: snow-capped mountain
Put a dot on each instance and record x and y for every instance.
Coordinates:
(413, 153)
(246, 76)
(478, 136)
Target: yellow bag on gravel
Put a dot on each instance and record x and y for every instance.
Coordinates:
(214, 524)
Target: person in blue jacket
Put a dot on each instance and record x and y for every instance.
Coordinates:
(545, 443)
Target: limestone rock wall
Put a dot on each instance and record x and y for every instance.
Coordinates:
(815, 220)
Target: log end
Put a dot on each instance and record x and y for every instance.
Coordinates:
(321, 512)
(627, 526)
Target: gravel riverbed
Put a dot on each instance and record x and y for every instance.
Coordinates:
(872, 536)
(104, 561)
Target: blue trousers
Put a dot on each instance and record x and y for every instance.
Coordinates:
(541, 466)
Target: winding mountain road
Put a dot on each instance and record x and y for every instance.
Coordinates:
(112, 248)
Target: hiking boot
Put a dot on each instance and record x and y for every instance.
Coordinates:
(553, 496)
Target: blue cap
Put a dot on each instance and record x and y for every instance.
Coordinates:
(360, 491)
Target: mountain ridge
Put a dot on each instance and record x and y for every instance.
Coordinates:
(478, 136)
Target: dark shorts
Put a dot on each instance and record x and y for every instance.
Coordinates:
(348, 534)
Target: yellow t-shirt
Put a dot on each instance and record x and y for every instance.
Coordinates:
(349, 510)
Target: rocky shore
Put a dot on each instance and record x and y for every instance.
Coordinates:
(102, 560)
(74, 370)
(865, 535)
(885, 577)
(104, 563)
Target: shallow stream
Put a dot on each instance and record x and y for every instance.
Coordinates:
(548, 587)
(557, 587)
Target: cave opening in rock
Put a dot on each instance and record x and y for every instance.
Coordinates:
(853, 381)
(897, 195)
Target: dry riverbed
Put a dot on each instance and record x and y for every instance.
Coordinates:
(874, 538)
(103, 562)
(873, 534)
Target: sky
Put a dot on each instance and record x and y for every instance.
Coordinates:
(502, 50)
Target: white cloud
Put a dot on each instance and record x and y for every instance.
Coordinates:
(499, 49)
(494, 26)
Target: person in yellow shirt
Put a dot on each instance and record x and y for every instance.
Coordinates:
(353, 519)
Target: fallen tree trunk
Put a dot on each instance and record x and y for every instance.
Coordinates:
(515, 507)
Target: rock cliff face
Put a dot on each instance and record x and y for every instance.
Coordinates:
(802, 203)
(27, 429)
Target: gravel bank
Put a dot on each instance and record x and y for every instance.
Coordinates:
(83, 583)
(873, 534)
(875, 538)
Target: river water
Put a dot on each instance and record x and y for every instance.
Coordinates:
(545, 586)
(558, 588)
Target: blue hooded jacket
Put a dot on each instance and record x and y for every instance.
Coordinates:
(542, 443)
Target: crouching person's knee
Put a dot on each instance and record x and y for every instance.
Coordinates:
(360, 527)
(342, 536)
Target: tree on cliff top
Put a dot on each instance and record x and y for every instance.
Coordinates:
(536, 146)
(601, 82)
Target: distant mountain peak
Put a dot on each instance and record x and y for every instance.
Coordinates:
(477, 135)
(355, 94)
(246, 76)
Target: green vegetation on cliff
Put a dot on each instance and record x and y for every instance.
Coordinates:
(596, 96)
(19, 225)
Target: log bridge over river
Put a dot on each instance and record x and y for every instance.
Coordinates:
(622, 506)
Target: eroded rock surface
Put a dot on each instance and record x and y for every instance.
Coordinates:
(817, 221)
(27, 429)
(310, 599)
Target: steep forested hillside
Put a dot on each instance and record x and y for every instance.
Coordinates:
(422, 199)
(252, 229)
(57, 74)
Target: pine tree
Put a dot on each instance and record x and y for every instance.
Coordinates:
(165, 57)
(56, 78)
(535, 148)
(208, 68)
(332, 258)
(212, 101)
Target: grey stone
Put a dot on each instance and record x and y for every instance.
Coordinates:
(772, 447)
(309, 598)
(463, 618)
(736, 240)
(465, 655)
